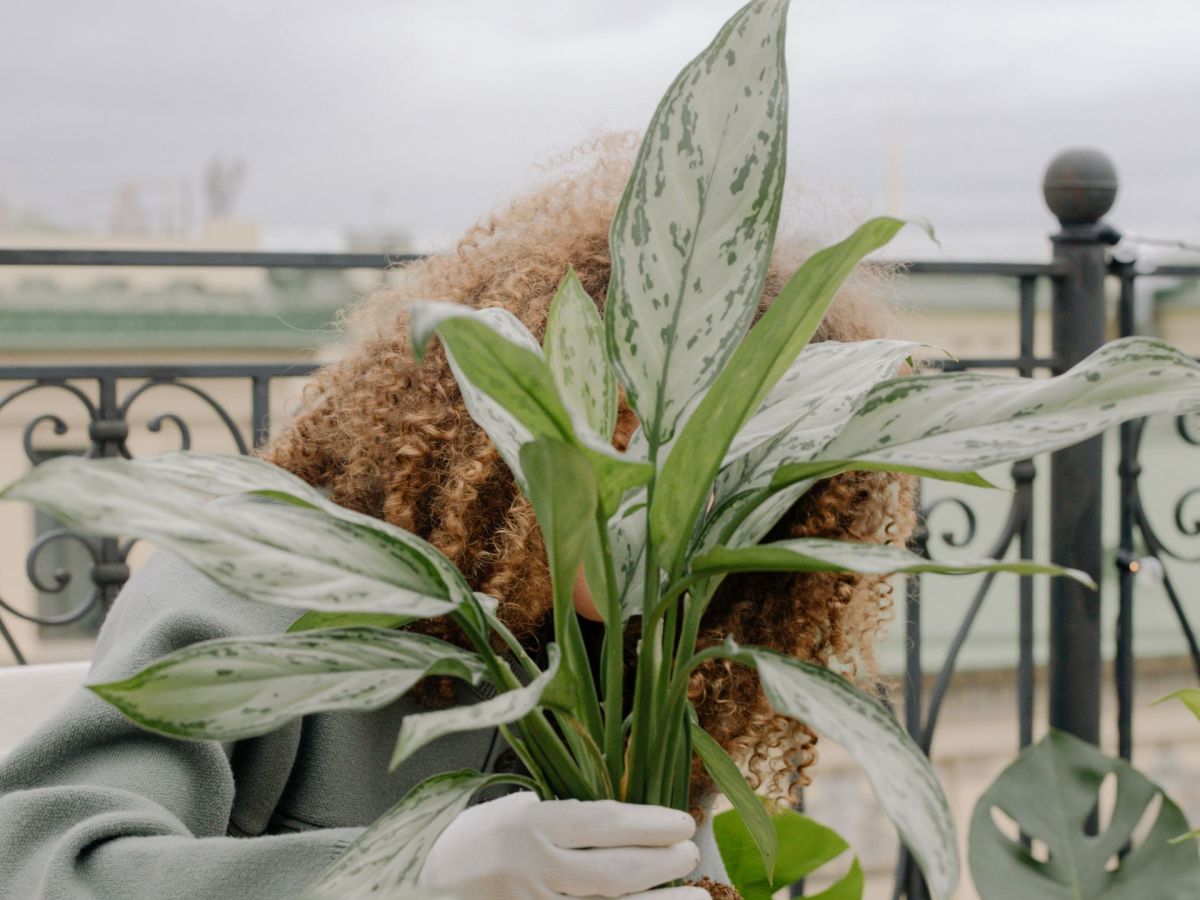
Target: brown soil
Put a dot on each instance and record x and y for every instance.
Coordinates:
(718, 891)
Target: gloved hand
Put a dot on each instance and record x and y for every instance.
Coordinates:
(520, 848)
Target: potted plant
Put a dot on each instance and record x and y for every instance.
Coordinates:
(736, 423)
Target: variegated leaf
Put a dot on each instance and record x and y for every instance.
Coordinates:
(968, 420)
(574, 348)
(213, 475)
(903, 779)
(821, 390)
(233, 688)
(506, 366)
(823, 555)
(956, 423)
(517, 379)
(693, 234)
(505, 430)
(420, 729)
(387, 858)
(281, 553)
(758, 363)
(311, 621)
(627, 530)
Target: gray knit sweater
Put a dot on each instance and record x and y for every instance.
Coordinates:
(93, 807)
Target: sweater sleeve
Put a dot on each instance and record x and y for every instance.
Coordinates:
(92, 807)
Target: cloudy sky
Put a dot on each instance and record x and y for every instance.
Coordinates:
(422, 115)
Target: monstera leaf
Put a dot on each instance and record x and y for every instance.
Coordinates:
(1051, 792)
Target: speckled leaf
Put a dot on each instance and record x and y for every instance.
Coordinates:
(761, 360)
(821, 390)
(948, 426)
(214, 475)
(311, 621)
(420, 729)
(693, 234)
(823, 555)
(968, 420)
(747, 804)
(228, 689)
(516, 381)
(387, 858)
(904, 781)
(627, 530)
(1050, 792)
(281, 553)
(505, 383)
(575, 353)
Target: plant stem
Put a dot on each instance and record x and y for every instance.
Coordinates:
(649, 660)
(614, 663)
(510, 641)
(546, 748)
(681, 794)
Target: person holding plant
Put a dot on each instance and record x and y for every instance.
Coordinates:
(95, 807)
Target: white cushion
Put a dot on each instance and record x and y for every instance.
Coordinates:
(29, 695)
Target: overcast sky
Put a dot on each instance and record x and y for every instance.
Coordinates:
(422, 115)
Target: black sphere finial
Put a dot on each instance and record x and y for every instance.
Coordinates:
(1080, 186)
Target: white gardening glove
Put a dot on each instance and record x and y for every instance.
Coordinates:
(520, 848)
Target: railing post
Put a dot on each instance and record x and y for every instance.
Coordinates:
(1080, 187)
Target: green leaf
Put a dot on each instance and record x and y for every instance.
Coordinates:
(849, 887)
(748, 805)
(904, 781)
(574, 348)
(420, 729)
(387, 858)
(288, 554)
(563, 492)
(526, 402)
(823, 555)
(310, 621)
(758, 363)
(515, 376)
(693, 233)
(804, 846)
(1051, 791)
(1190, 697)
(507, 432)
(233, 688)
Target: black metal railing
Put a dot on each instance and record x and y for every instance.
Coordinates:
(1078, 276)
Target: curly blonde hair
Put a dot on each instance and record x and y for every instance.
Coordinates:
(392, 439)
